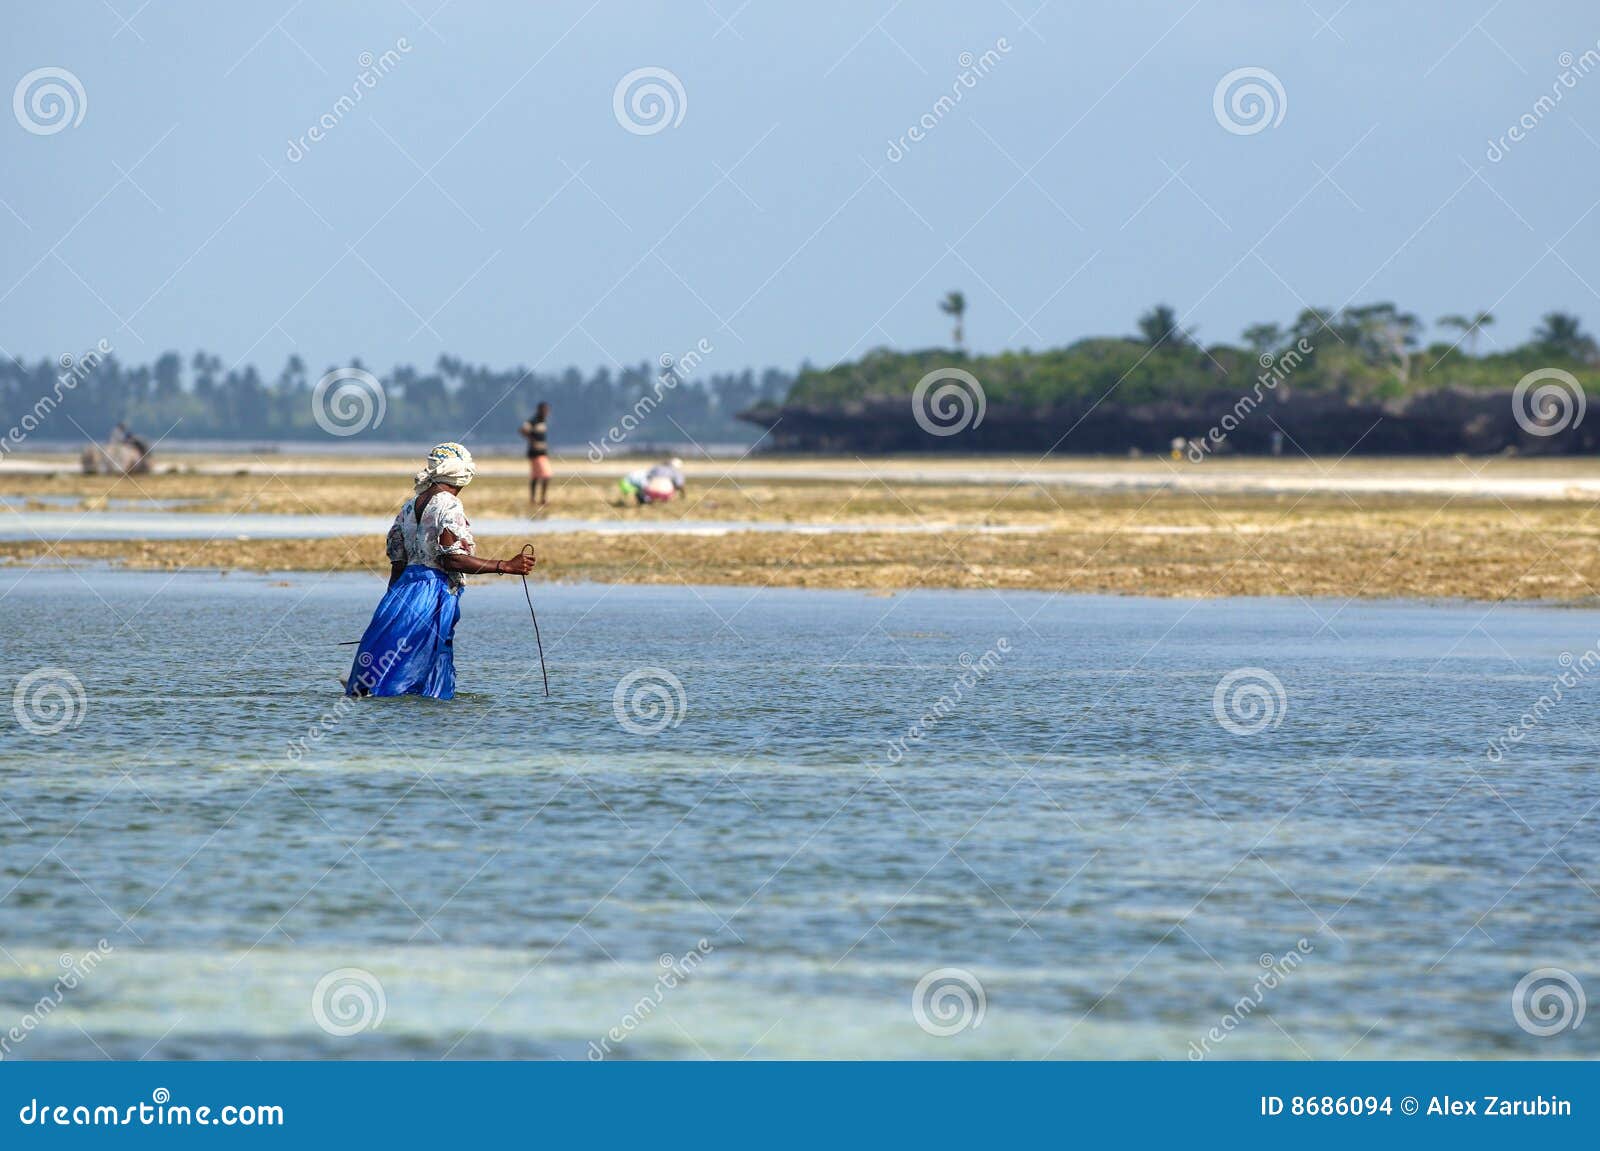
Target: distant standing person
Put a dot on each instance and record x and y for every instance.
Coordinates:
(537, 432)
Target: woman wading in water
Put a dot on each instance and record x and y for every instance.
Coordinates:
(407, 648)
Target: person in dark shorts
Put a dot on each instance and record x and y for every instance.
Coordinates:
(536, 430)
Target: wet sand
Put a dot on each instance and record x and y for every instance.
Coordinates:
(349, 483)
(1365, 530)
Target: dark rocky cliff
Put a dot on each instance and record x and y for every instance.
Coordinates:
(1441, 422)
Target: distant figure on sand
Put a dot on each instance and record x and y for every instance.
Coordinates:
(536, 430)
(671, 472)
(655, 485)
(123, 453)
(408, 647)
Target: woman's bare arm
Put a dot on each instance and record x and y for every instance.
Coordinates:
(520, 564)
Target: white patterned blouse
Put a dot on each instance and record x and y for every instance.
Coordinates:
(411, 542)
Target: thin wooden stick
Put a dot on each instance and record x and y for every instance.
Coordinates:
(527, 549)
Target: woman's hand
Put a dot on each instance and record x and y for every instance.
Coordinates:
(520, 564)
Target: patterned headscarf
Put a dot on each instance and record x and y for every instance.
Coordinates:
(449, 463)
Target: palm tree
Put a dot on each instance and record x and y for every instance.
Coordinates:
(954, 304)
(1263, 337)
(1469, 327)
(1384, 334)
(1480, 321)
(1160, 325)
(1311, 324)
(1562, 334)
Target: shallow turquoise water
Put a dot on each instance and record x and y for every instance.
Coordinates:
(1075, 828)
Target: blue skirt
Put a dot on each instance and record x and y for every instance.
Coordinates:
(408, 646)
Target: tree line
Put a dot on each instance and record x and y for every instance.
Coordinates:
(203, 399)
(1365, 353)
(1372, 352)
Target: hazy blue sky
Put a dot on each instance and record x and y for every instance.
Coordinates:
(483, 198)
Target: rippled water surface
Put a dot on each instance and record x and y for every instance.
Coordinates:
(831, 809)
